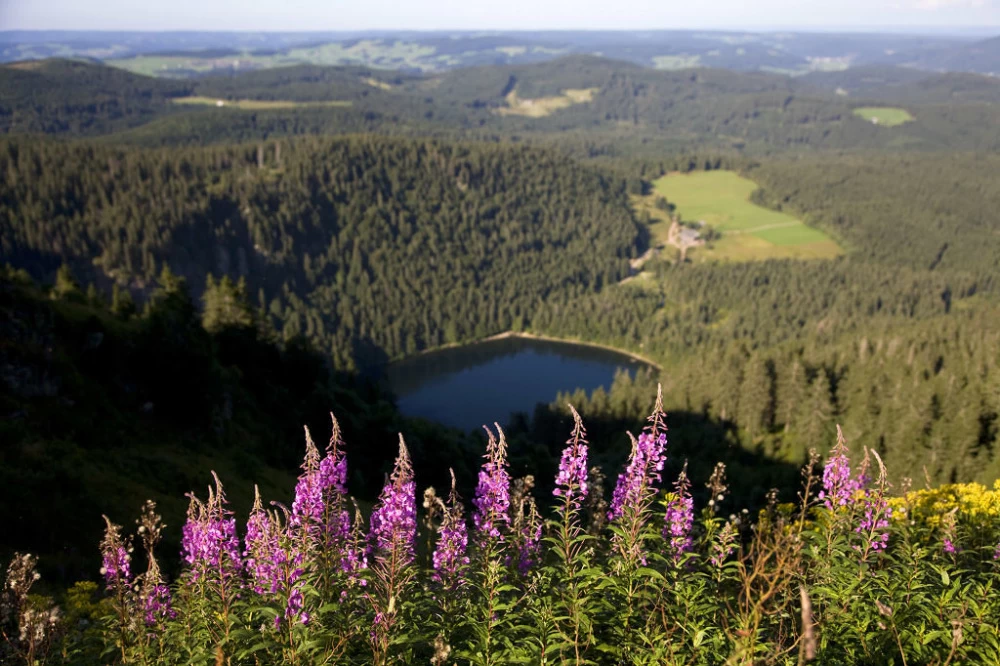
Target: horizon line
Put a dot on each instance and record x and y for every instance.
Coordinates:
(857, 29)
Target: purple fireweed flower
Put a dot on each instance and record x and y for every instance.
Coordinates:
(333, 467)
(158, 606)
(307, 507)
(492, 498)
(274, 560)
(394, 520)
(643, 471)
(116, 562)
(319, 517)
(839, 487)
(449, 556)
(724, 544)
(949, 529)
(996, 553)
(679, 517)
(294, 608)
(571, 481)
(874, 524)
(209, 542)
(332, 481)
(529, 541)
(262, 549)
(876, 512)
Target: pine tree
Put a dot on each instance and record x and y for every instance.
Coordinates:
(792, 392)
(225, 305)
(817, 419)
(756, 403)
(122, 304)
(66, 287)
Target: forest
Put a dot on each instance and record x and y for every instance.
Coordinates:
(634, 110)
(183, 289)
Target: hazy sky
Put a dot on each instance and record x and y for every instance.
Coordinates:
(278, 15)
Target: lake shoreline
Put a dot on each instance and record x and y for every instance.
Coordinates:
(535, 336)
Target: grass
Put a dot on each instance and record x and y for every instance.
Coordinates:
(256, 104)
(676, 61)
(544, 106)
(721, 199)
(887, 116)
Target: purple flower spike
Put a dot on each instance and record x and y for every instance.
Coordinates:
(571, 481)
(643, 471)
(307, 507)
(332, 481)
(263, 551)
(158, 606)
(211, 547)
(529, 541)
(724, 544)
(839, 488)
(679, 517)
(116, 563)
(449, 556)
(875, 522)
(492, 499)
(394, 520)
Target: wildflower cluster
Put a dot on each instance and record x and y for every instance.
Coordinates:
(644, 579)
(211, 547)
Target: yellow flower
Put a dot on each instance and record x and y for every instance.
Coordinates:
(976, 505)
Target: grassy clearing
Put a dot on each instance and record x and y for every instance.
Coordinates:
(544, 106)
(749, 232)
(676, 61)
(888, 116)
(375, 83)
(256, 104)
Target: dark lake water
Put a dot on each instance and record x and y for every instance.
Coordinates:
(472, 385)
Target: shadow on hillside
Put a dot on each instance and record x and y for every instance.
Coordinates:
(536, 446)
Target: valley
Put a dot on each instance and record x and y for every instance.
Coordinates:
(202, 255)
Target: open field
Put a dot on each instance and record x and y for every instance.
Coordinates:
(543, 106)
(887, 116)
(750, 232)
(256, 104)
(676, 61)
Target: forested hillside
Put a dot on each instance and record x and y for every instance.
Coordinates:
(615, 105)
(372, 248)
(894, 341)
(76, 98)
(106, 403)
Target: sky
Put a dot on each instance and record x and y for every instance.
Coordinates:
(328, 15)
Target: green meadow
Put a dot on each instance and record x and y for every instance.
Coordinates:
(721, 199)
(255, 104)
(887, 116)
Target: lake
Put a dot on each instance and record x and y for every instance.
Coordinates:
(468, 386)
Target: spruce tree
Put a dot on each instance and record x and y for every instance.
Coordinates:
(817, 419)
(792, 390)
(66, 287)
(756, 405)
